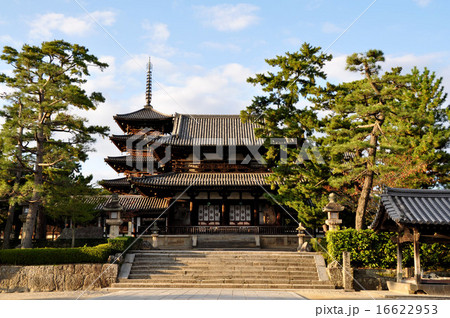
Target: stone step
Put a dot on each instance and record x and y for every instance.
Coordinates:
(222, 285)
(259, 265)
(223, 269)
(225, 259)
(227, 264)
(221, 253)
(236, 281)
(227, 273)
(230, 275)
(228, 257)
(244, 269)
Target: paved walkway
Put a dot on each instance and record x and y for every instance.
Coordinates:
(204, 294)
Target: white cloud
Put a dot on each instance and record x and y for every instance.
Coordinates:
(336, 72)
(138, 63)
(228, 17)
(103, 17)
(408, 61)
(329, 27)
(422, 3)
(46, 24)
(7, 39)
(158, 32)
(221, 90)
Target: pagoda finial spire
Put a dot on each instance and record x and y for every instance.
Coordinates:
(148, 93)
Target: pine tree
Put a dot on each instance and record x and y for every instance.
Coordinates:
(15, 165)
(283, 116)
(47, 81)
(374, 122)
(388, 128)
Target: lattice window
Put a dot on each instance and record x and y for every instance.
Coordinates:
(209, 213)
(240, 213)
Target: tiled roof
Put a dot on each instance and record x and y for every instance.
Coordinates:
(190, 130)
(211, 130)
(120, 137)
(131, 202)
(410, 206)
(204, 179)
(129, 159)
(145, 113)
(120, 182)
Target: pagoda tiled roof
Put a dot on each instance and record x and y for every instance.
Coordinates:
(129, 159)
(119, 182)
(121, 185)
(131, 203)
(146, 113)
(173, 179)
(212, 130)
(204, 130)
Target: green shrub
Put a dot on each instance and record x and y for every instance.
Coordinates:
(52, 256)
(376, 250)
(121, 243)
(61, 243)
(68, 242)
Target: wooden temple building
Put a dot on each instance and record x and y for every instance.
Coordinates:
(203, 170)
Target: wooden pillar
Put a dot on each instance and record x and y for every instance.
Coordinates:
(417, 269)
(225, 219)
(255, 217)
(399, 261)
(191, 211)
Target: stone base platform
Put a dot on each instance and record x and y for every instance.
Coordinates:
(408, 288)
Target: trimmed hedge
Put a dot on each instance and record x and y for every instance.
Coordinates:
(61, 243)
(369, 249)
(50, 256)
(121, 243)
(53, 256)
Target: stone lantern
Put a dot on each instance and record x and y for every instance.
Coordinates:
(301, 237)
(333, 209)
(113, 210)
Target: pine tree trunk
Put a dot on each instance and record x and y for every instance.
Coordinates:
(73, 234)
(368, 179)
(35, 202)
(8, 226)
(363, 200)
(41, 229)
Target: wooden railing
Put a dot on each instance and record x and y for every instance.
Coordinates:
(208, 166)
(267, 230)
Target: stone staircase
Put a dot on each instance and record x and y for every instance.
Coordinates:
(223, 269)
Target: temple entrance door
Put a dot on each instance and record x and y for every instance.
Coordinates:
(209, 214)
(240, 214)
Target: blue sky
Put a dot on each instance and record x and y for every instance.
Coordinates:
(203, 51)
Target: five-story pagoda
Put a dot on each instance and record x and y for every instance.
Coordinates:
(202, 168)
